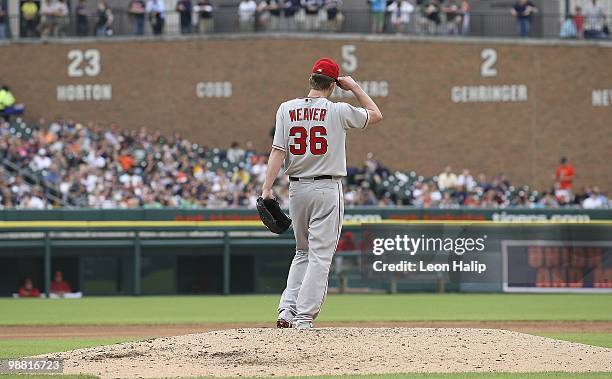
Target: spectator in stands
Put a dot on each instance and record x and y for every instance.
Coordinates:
(258, 170)
(465, 181)
(472, 200)
(235, 153)
(41, 161)
(28, 289)
(241, 178)
(137, 10)
(334, 16)
(386, 200)
(104, 167)
(346, 243)
(8, 105)
(246, 15)
(521, 199)
(184, 8)
(595, 199)
(568, 28)
(104, 21)
(291, 10)
(82, 18)
(33, 200)
(126, 161)
(523, 11)
(448, 201)
(579, 22)
(6, 100)
(311, 12)
(207, 20)
(431, 17)
(548, 200)
(434, 193)
(465, 17)
(62, 14)
(564, 177)
(273, 10)
(377, 14)
(491, 199)
(156, 11)
(447, 179)
(59, 286)
(452, 12)
(48, 21)
(595, 19)
(481, 183)
(29, 12)
(3, 19)
(400, 14)
(419, 194)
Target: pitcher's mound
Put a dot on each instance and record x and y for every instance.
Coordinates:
(329, 351)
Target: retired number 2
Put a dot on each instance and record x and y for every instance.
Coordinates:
(301, 141)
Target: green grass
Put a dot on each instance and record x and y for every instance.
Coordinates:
(595, 339)
(261, 308)
(249, 309)
(23, 348)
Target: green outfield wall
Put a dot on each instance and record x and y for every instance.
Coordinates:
(103, 253)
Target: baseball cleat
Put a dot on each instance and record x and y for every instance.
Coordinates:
(282, 324)
(303, 326)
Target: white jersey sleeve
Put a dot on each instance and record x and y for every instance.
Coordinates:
(352, 117)
(280, 140)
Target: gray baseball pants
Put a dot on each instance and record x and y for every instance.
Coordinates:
(316, 208)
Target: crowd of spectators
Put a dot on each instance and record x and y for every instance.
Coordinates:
(58, 18)
(64, 163)
(588, 24)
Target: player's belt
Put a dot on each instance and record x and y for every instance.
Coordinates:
(321, 177)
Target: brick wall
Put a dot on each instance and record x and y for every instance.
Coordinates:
(154, 85)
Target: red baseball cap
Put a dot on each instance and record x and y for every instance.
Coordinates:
(327, 67)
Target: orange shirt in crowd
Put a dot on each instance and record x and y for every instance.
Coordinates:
(565, 175)
(126, 162)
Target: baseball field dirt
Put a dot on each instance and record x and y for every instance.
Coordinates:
(336, 351)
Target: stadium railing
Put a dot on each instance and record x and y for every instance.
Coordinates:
(489, 24)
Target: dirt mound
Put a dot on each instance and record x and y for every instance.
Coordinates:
(328, 351)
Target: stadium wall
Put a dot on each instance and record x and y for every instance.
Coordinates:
(356, 214)
(110, 258)
(488, 105)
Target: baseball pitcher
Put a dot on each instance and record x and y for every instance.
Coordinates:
(310, 140)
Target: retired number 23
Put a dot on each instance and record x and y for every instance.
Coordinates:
(301, 140)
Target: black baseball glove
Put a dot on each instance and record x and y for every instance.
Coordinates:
(272, 215)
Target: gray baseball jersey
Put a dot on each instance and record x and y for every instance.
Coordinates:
(312, 131)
